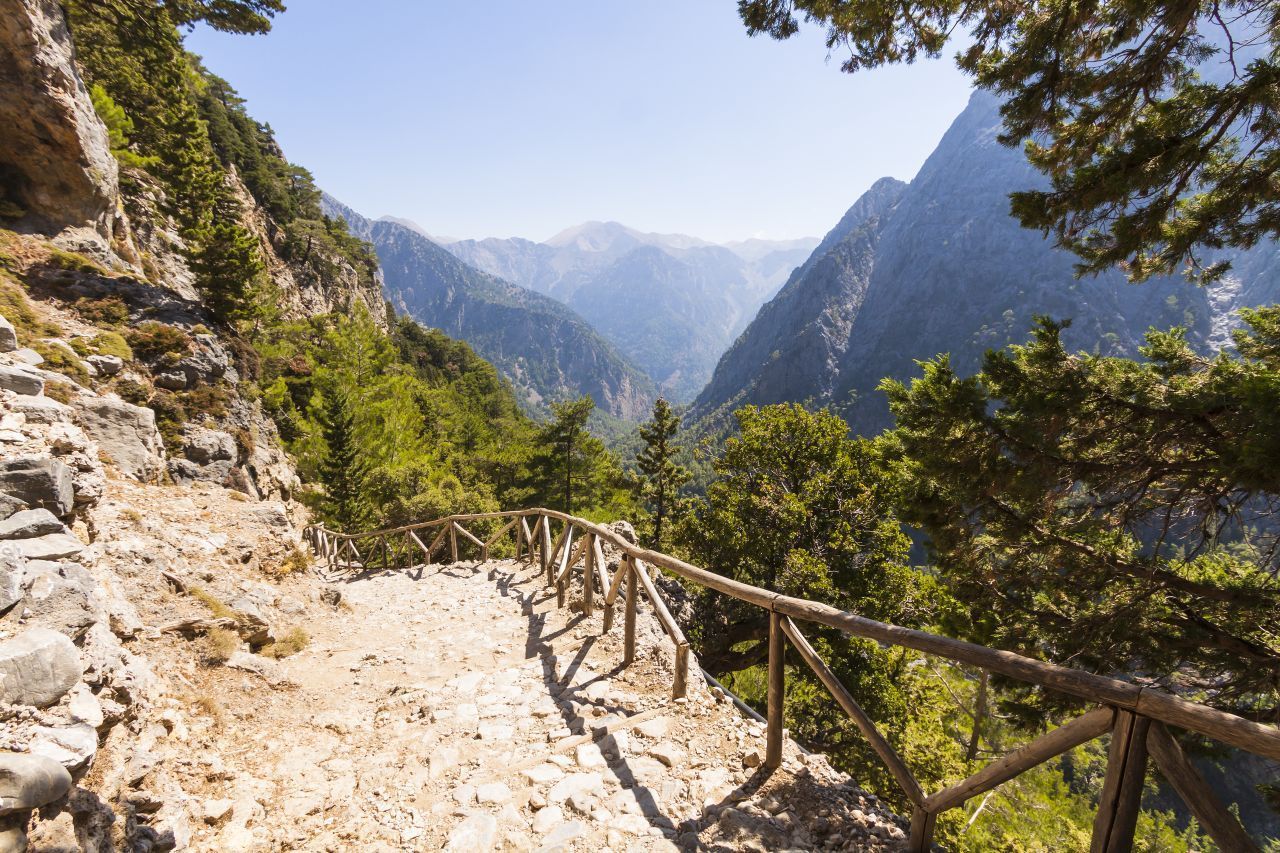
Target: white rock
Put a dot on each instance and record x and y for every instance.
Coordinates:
(668, 753)
(546, 819)
(476, 834)
(543, 773)
(493, 792)
(573, 783)
(71, 746)
(589, 756)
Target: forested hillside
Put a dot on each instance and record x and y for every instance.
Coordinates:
(544, 349)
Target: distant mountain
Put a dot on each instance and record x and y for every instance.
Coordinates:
(939, 266)
(670, 302)
(546, 350)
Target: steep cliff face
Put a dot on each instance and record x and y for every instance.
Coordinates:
(670, 302)
(949, 271)
(547, 351)
(57, 175)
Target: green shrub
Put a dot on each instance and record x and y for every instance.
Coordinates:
(159, 342)
(171, 416)
(108, 311)
(132, 391)
(73, 262)
(17, 309)
(59, 360)
(60, 391)
(208, 400)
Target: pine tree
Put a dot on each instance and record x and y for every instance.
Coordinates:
(343, 472)
(571, 454)
(661, 477)
(228, 263)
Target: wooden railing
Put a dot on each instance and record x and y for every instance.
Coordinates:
(1137, 716)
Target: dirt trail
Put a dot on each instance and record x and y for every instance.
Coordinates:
(453, 707)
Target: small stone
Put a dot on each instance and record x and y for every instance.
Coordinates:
(8, 336)
(564, 833)
(107, 365)
(655, 728)
(546, 819)
(589, 756)
(668, 753)
(543, 773)
(476, 834)
(493, 792)
(71, 746)
(21, 380)
(752, 758)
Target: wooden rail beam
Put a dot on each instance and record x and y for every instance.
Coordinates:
(887, 754)
(1221, 825)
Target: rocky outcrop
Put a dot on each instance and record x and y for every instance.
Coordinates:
(126, 433)
(57, 174)
(38, 667)
(39, 481)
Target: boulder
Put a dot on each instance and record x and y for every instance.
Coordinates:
(204, 446)
(8, 336)
(174, 380)
(126, 433)
(12, 574)
(30, 781)
(29, 523)
(55, 546)
(71, 746)
(37, 667)
(38, 481)
(107, 365)
(26, 355)
(208, 361)
(250, 623)
(62, 598)
(20, 380)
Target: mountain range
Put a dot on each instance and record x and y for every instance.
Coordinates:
(546, 350)
(939, 266)
(670, 302)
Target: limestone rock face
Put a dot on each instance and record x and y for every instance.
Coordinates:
(29, 523)
(8, 336)
(37, 667)
(125, 432)
(21, 380)
(55, 158)
(30, 781)
(39, 482)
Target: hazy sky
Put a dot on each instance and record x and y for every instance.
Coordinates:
(520, 118)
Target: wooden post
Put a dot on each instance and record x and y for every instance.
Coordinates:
(545, 555)
(519, 538)
(1121, 799)
(629, 616)
(680, 688)
(588, 576)
(922, 823)
(453, 540)
(773, 749)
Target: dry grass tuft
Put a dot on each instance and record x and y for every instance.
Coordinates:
(221, 644)
(294, 641)
(295, 561)
(211, 601)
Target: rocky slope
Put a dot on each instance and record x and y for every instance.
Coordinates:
(670, 302)
(547, 351)
(943, 268)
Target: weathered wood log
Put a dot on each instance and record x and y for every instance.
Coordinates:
(561, 579)
(453, 541)
(1121, 799)
(668, 621)
(776, 689)
(502, 531)
(1221, 825)
(893, 761)
(545, 550)
(177, 583)
(680, 681)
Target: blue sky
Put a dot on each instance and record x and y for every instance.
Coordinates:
(516, 118)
